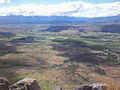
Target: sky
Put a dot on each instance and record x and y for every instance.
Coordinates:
(48, 2)
(75, 8)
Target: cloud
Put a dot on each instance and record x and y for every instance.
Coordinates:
(75, 9)
(4, 1)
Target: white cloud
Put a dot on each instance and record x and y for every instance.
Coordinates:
(76, 9)
(4, 1)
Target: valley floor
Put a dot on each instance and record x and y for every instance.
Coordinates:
(64, 55)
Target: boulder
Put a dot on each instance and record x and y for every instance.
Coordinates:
(58, 88)
(4, 84)
(93, 87)
(26, 84)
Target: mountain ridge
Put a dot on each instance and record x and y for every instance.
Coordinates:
(11, 19)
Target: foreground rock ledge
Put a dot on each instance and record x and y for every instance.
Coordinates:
(31, 84)
(58, 88)
(25, 84)
(93, 87)
(4, 84)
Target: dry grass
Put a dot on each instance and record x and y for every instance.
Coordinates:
(113, 86)
(112, 79)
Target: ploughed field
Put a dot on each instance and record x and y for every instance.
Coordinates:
(67, 55)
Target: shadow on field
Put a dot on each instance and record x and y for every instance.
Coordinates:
(6, 35)
(114, 28)
(10, 47)
(58, 28)
(29, 39)
(7, 48)
(78, 51)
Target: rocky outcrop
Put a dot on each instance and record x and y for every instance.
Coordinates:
(4, 84)
(26, 84)
(58, 88)
(32, 84)
(93, 87)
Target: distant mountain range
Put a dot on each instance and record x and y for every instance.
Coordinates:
(55, 19)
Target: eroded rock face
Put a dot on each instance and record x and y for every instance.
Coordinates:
(4, 84)
(93, 87)
(26, 84)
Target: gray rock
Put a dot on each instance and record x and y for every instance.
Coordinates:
(58, 88)
(4, 84)
(93, 87)
(26, 84)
